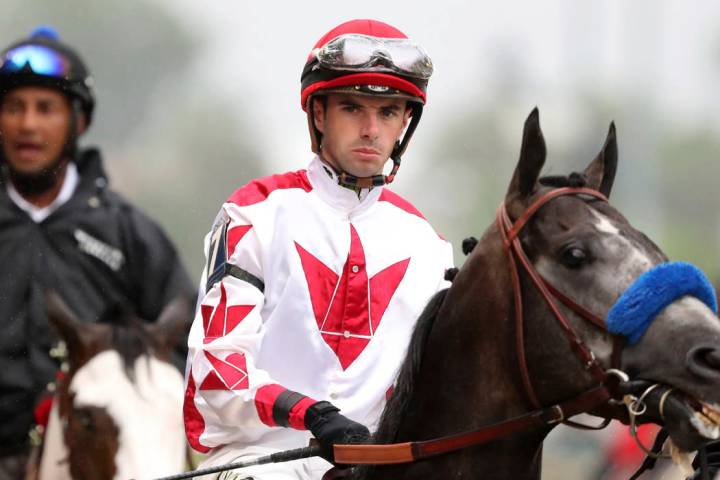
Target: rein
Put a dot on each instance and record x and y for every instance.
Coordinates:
(540, 416)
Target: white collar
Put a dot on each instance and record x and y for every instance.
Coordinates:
(38, 214)
(325, 181)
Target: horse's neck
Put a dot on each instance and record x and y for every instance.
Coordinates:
(469, 376)
(469, 365)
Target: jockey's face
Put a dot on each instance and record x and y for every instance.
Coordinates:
(34, 127)
(359, 132)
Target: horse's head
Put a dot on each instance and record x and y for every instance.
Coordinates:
(587, 250)
(121, 401)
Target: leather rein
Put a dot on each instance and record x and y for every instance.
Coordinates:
(541, 416)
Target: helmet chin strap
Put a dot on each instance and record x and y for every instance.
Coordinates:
(352, 181)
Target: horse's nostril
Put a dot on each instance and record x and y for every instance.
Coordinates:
(704, 361)
(712, 358)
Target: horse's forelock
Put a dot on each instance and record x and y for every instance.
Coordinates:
(127, 336)
(131, 342)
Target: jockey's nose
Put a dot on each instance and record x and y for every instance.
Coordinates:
(704, 361)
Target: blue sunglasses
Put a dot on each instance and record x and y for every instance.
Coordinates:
(38, 59)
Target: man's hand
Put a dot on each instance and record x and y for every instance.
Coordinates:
(330, 427)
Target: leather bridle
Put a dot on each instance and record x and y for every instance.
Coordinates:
(510, 232)
(540, 416)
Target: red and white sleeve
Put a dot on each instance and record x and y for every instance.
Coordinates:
(228, 399)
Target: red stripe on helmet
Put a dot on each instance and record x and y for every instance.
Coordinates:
(381, 79)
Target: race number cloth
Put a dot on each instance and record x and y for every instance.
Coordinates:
(653, 291)
(318, 291)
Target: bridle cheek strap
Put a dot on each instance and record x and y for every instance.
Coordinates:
(509, 233)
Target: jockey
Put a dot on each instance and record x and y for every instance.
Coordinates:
(61, 227)
(315, 278)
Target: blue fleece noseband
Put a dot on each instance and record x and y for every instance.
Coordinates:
(654, 290)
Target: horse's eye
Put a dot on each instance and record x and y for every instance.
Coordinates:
(573, 257)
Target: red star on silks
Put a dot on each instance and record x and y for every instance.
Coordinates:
(228, 374)
(220, 320)
(348, 309)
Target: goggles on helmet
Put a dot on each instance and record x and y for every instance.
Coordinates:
(364, 53)
(39, 59)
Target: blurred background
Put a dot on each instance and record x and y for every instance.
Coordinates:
(196, 98)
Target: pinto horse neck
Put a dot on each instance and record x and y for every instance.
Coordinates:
(119, 404)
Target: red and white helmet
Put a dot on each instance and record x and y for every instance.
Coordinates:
(367, 57)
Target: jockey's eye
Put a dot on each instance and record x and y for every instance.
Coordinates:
(574, 257)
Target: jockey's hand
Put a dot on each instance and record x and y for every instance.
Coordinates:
(329, 427)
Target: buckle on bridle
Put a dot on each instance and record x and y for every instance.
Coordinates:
(560, 415)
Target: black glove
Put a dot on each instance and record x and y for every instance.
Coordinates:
(329, 427)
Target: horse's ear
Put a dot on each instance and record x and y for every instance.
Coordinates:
(72, 331)
(172, 324)
(532, 159)
(600, 173)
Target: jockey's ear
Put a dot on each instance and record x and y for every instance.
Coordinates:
(78, 336)
(600, 174)
(172, 325)
(527, 171)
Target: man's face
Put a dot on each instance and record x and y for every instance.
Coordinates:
(34, 127)
(359, 132)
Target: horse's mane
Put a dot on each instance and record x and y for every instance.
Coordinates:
(128, 337)
(402, 393)
(575, 180)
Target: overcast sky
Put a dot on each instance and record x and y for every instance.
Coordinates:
(665, 50)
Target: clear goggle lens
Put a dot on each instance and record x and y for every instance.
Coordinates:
(364, 53)
(39, 59)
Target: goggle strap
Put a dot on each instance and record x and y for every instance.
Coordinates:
(314, 73)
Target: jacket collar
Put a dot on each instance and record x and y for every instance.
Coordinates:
(325, 182)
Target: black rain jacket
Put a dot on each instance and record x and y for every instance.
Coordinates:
(95, 250)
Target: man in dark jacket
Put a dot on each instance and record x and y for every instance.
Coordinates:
(61, 228)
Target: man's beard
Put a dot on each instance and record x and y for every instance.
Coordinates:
(36, 183)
